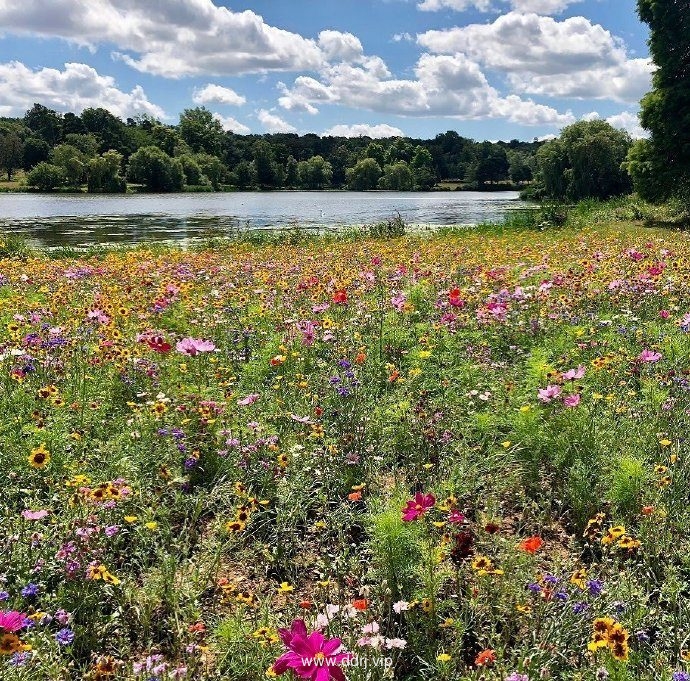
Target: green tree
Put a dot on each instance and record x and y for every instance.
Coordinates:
(243, 176)
(108, 129)
(72, 161)
(264, 164)
(316, 173)
(44, 123)
(212, 168)
(364, 175)
(397, 177)
(157, 171)
(585, 161)
(377, 152)
(660, 166)
(169, 140)
(192, 171)
(201, 131)
(104, 174)
(11, 153)
(291, 172)
(86, 143)
(35, 151)
(45, 177)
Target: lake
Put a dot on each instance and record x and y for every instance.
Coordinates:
(52, 220)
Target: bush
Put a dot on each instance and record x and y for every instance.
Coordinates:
(46, 177)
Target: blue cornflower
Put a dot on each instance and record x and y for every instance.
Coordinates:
(65, 636)
(30, 591)
(595, 586)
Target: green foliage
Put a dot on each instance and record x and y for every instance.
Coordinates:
(11, 153)
(46, 177)
(316, 173)
(660, 167)
(585, 161)
(156, 170)
(364, 176)
(398, 177)
(104, 174)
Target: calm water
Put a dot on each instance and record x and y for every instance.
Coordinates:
(81, 220)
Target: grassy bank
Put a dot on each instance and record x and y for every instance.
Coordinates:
(201, 447)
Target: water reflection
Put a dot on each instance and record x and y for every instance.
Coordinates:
(81, 220)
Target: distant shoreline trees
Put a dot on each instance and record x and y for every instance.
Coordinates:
(100, 153)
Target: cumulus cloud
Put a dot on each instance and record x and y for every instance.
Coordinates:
(231, 124)
(444, 85)
(378, 131)
(337, 46)
(542, 56)
(75, 88)
(273, 123)
(625, 120)
(171, 38)
(538, 6)
(218, 95)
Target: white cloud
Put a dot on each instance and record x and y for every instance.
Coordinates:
(231, 124)
(400, 37)
(542, 56)
(171, 38)
(630, 121)
(273, 123)
(219, 95)
(363, 130)
(444, 85)
(538, 6)
(295, 102)
(76, 88)
(337, 46)
(625, 120)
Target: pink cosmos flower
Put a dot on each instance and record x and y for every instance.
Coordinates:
(310, 656)
(250, 399)
(572, 400)
(12, 621)
(573, 374)
(418, 506)
(34, 515)
(549, 393)
(193, 346)
(649, 356)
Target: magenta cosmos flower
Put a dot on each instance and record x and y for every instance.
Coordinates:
(418, 506)
(310, 656)
(649, 356)
(193, 346)
(12, 621)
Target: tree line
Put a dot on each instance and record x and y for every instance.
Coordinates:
(98, 150)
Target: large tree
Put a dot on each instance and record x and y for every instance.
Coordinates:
(585, 161)
(11, 153)
(153, 168)
(660, 166)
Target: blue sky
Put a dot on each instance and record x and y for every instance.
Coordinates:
(490, 69)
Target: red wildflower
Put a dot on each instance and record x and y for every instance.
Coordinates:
(531, 544)
(454, 298)
(340, 296)
(485, 658)
(360, 604)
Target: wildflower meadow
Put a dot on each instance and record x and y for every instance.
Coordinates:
(459, 455)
